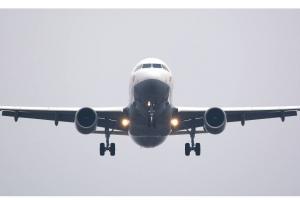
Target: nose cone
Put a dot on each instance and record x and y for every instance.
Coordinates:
(152, 90)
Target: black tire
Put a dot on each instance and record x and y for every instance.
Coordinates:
(197, 149)
(187, 149)
(102, 149)
(112, 149)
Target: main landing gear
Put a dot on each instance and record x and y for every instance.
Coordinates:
(106, 146)
(192, 146)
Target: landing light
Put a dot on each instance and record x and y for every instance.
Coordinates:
(149, 104)
(125, 122)
(174, 122)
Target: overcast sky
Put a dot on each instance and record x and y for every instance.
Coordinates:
(85, 57)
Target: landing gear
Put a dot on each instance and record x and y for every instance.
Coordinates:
(197, 149)
(102, 149)
(187, 149)
(192, 146)
(151, 112)
(106, 146)
(111, 149)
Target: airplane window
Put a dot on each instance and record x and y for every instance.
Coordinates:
(165, 68)
(146, 65)
(149, 65)
(139, 67)
(156, 65)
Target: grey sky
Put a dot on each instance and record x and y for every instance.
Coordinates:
(84, 58)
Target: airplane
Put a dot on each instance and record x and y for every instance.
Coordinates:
(150, 117)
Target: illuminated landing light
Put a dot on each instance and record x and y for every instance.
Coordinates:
(148, 103)
(125, 122)
(174, 122)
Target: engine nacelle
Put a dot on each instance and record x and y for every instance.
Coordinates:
(86, 120)
(214, 120)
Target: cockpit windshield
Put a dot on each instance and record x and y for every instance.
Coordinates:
(152, 65)
(146, 65)
(156, 65)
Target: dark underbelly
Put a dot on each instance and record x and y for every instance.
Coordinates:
(150, 136)
(146, 132)
(148, 142)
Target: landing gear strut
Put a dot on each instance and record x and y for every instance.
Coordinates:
(151, 112)
(106, 146)
(192, 146)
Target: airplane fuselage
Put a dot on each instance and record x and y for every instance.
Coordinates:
(150, 108)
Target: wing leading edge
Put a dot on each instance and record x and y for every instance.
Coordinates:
(190, 116)
(107, 116)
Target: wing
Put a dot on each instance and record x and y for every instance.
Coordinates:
(60, 114)
(190, 116)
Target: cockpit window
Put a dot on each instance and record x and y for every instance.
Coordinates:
(164, 67)
(146, 65)
(156, 65)
(150, 65)
(139, 67)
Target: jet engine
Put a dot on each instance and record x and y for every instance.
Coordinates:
(86, 120)
(214, 120)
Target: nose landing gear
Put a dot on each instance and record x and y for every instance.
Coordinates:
(192, 146)
(151, 112)
(106, 146)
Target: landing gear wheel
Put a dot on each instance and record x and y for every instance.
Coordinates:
(192, 146)
(197, 149)
(102, 149)
(187, 149)
(112, 149)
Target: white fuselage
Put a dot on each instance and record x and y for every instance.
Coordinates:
(141, 74)
(150, 105)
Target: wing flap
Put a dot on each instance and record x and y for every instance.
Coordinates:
(54, 116)
(113, 132)
(185, 132)
(256, 115)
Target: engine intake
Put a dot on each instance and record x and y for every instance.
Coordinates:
(214, 120)
(86, 120)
